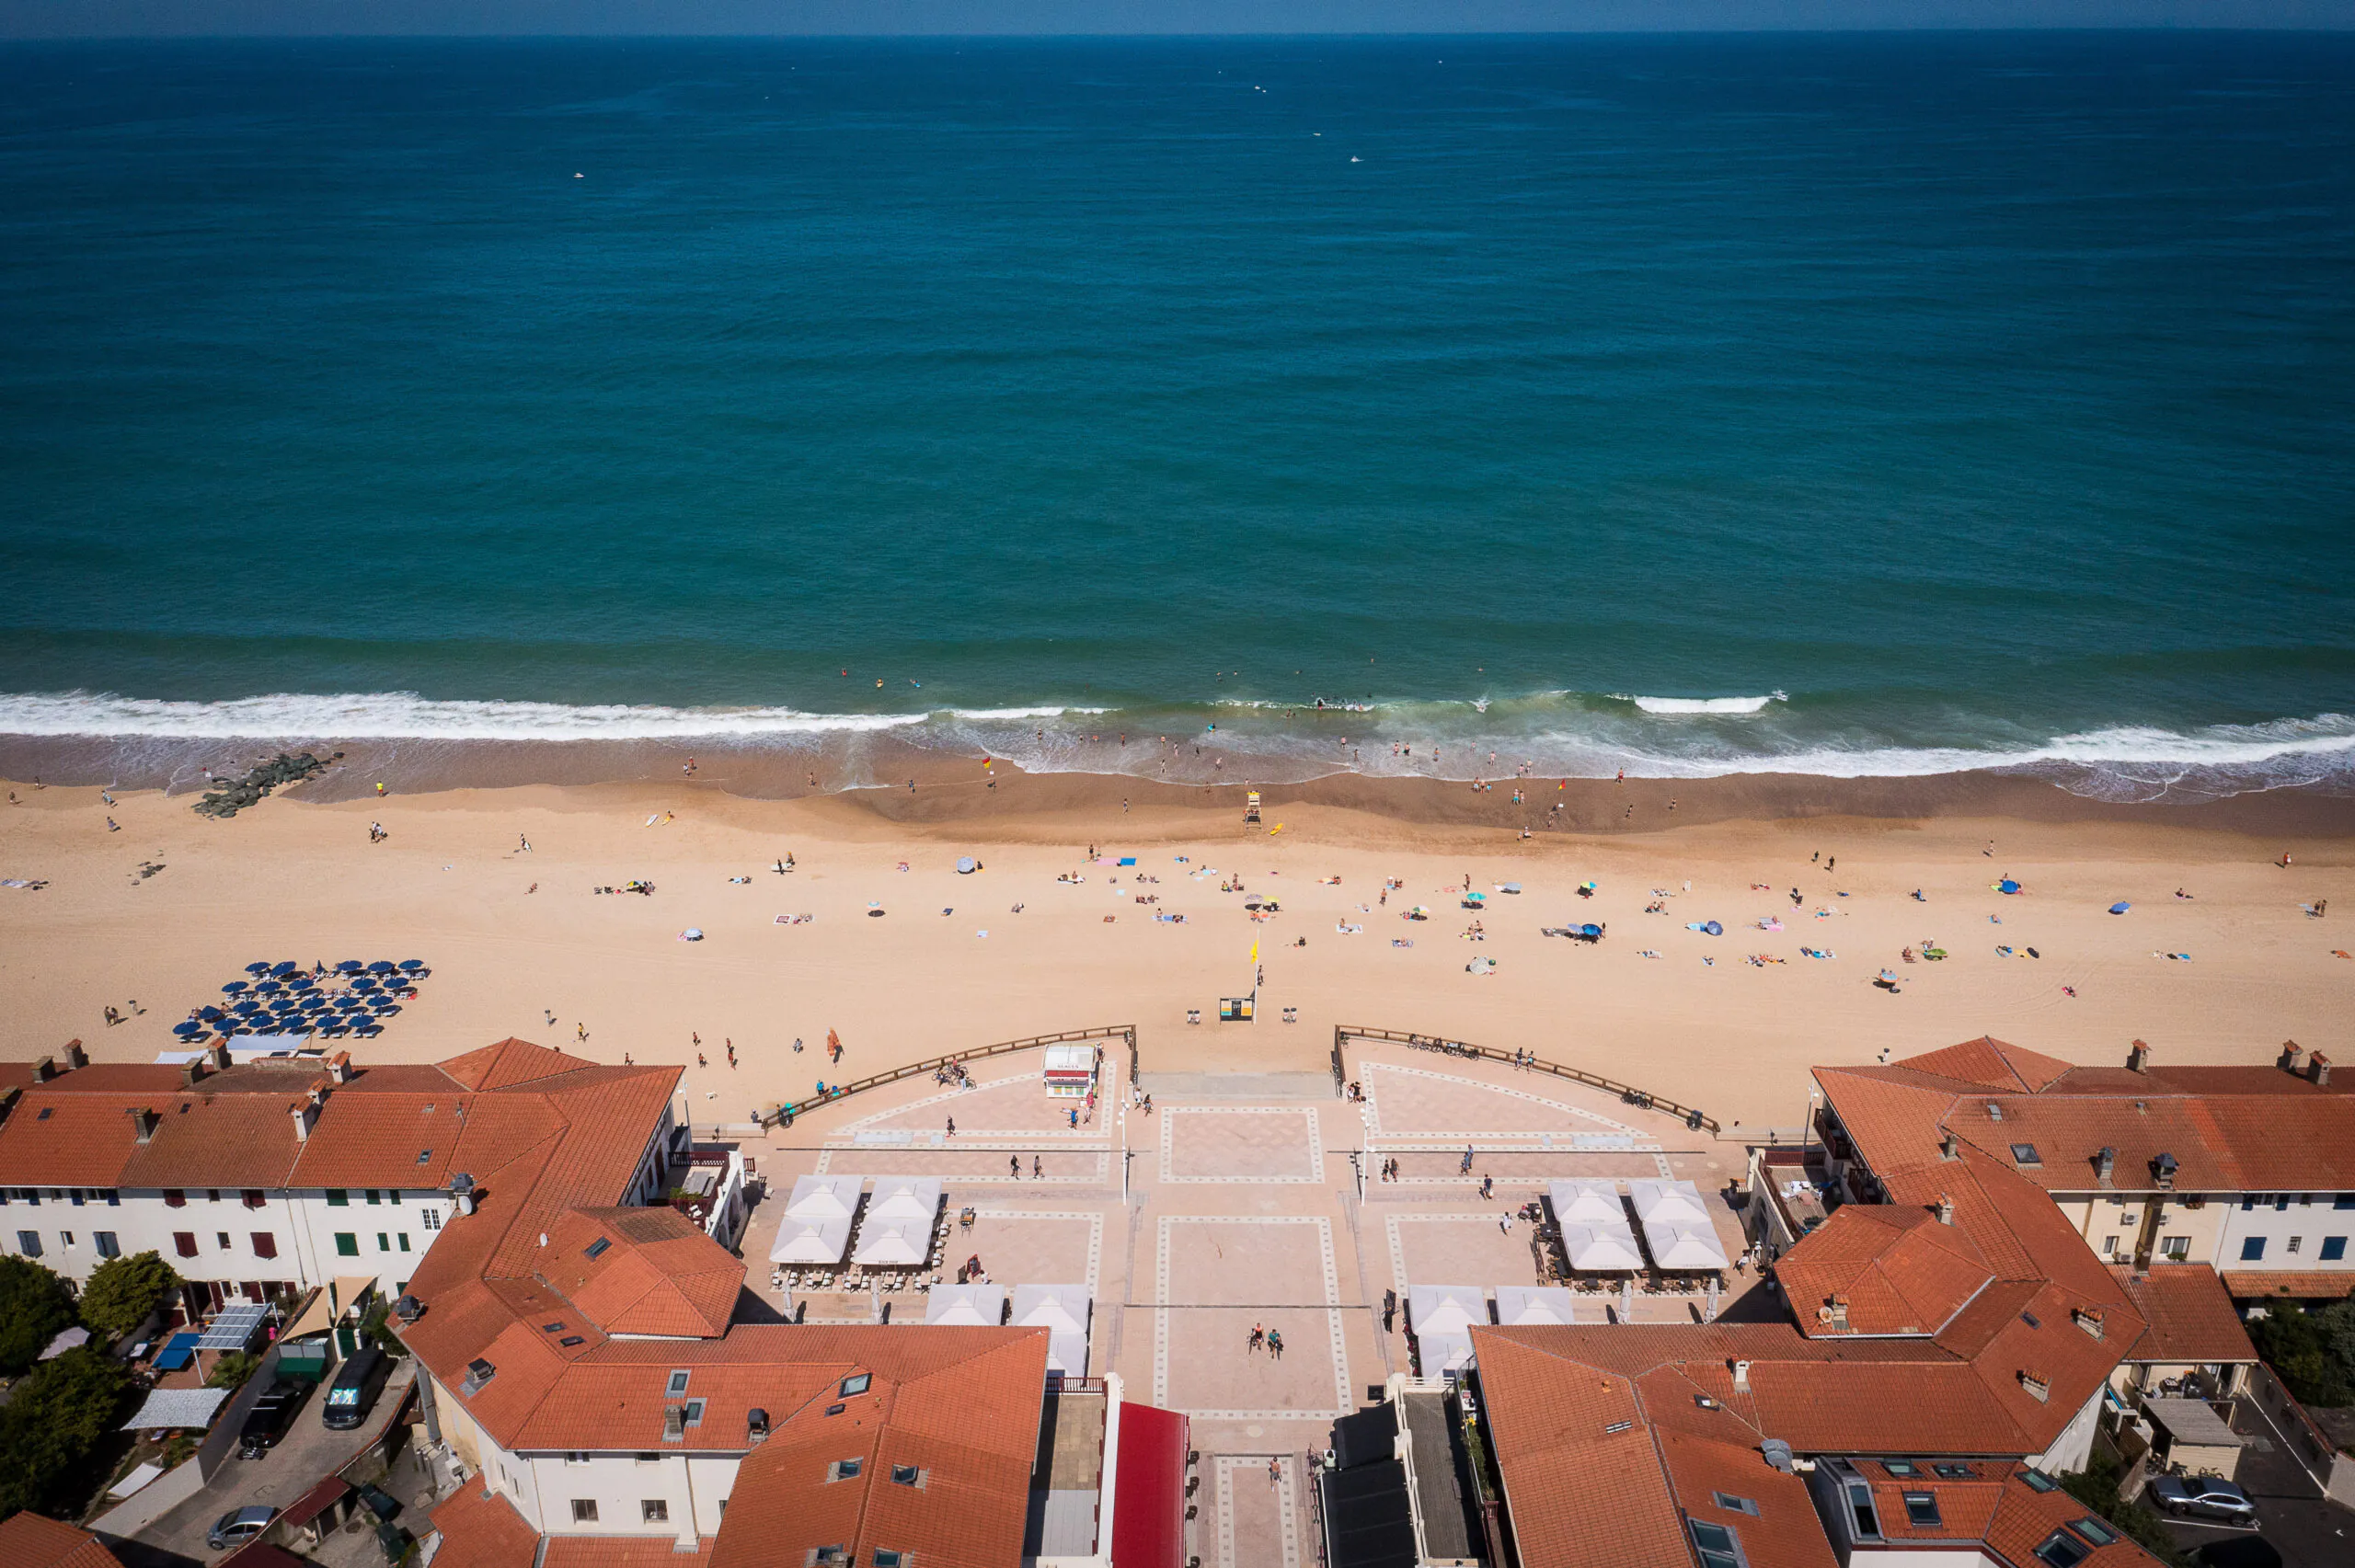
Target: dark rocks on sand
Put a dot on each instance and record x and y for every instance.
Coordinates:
(235, 796)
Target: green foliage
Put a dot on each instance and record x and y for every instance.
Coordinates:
(2305, 1349)
(232, 1370)
(377, 1324)
(123, 1291)
(35, 1303)
(54, 1419)
(2096, 1487)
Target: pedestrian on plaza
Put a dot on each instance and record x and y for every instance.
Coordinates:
(1014, 1166)
(1466, 1168)
(1258, 1338)
(1037, 1169)
(1488, 1185)
(1276, 1344)
(1275, 1466)
(952, 1126)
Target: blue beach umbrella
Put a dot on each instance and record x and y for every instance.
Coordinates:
(285, 966)
(256, 968)
(381, 967)
(2007, 886)
(2119, 909)
(349, 966)
(186, 1030)
(411, 965)
(234, 988)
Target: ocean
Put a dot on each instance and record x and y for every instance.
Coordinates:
(1850, 404)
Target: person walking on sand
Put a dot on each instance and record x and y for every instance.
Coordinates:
(699, 1061)
(522, 844)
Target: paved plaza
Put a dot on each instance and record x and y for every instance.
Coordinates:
(1198, 1221)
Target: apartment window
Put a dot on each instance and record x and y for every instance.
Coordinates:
(2282, 1204)
(374, 1197)
(65, 1240)
(105, 1242)
(2293, 1243)
(1922, 1510)
(175, 1198)
(2179, 1248)
(28, 1242)
(184, 1243)
(1860, 1509)
(1719, 1546)
(843, 1469)
(432, 1219)
(74, 1195)
(649, 1459)
(654, 1511)
(2109, 1245)
(338, 1198)
(114, 1199)
(2248, 1201)
(265, 1244)
(393, 1197)
(2334, 1248)
(384, 1243)
(255, 1198)
(401, 1237)
(1733, 1504)
(576, 1458)
(2344, 1200)
(695, 1412)
(212, 1195)
(221, 1239)
(584, 1510)
(346, 1245)
(2252, 1247)
(678, 1385)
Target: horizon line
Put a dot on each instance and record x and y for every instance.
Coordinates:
(1146, 35)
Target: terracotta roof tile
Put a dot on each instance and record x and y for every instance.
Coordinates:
(481, 1530)
(32, 1540)
(2317, 1284)
(623, 1552)
(1989, 1063)
(216, 1140)
(656, 1274)
(375, 1139)
(510, 1063)
(2187, 1316)
(1785, 1532)
(1893, 1269)
(83, 1142)
(2024, 1518)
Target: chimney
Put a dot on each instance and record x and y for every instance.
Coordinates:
(1742, 1376)
(1838, 1308)
(2039, 1387)
(2292, 1058)
(44, 1070)
(461, 1192)
(306, 1115)
(2138, 1058)
(143, 1122)
(1946, 1209)
(1950, 1147)
(756, 1426)
(2162, 1170)
(2318, 1068)
(339, 1067)
(192, 1072)
(217, 1053)
(2105, 1163)
(674, 1424)
(75, 1057)
(2088, 1318)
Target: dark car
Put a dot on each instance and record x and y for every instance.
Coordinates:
(270, 1417)
(353, 1392)
(2238, 1552)
(239, 1526)
(2207, 1496)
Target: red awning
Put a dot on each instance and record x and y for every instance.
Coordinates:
(1149, 1498)
(316, 1501)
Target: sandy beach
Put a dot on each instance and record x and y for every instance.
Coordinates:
(958, 961)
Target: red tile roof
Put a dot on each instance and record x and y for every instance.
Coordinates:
(1888, 1267)
(656, 1274)
(510, 1063)
(2187, 1315)
(623, 1552)
(2314, 1285)
(481, 1530)
(32, 1540)
(386, 1138)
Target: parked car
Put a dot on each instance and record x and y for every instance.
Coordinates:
(270, 1417)
(2208, 1496)
(353, 1393)
(239, 1526)
(2238, 1552)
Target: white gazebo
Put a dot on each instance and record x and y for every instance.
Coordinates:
(1587, 1203)
(810, 1241)
(904, 1197)
(1684, 1249)
(1593, 1249)
(821, 1198)
(1523, 1306)
(967, 1305)
(1062, 1311)
(1660, 1202)
(1441, 1317)
(894, 1243)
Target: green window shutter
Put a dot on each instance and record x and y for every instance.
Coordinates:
(346, 1245)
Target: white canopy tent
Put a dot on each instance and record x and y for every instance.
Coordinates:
(1660, 1202)
(1062, 1311)
(1521, 1306)
(810, 1241)
(1441, 1317)
(820, 1199)
(170, 1409)
(1592, 1249)
(969, 1305)
(1587, 1203)
(904, 1197)
(894, 1243)
(1683, 1248)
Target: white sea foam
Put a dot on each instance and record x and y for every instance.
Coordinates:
(1706, 705)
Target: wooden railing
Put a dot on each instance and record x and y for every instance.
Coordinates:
(1628, 1093)
(834, 1092)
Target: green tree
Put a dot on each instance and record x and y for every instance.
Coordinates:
(52, 1422)
(377, 1324)
(123, 1291)
(232, 1370)
(2096, 1487)
(35, 1303)
(2298, 1346)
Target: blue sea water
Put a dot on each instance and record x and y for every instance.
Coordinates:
(1846, 404)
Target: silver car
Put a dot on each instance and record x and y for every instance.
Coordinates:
(2208, 1496)
(239, 1526)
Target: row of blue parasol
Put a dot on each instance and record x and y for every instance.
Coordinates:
(349, 998)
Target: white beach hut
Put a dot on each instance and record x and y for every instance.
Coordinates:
(983, 1305)
(1521, 1306)
(1441, 1317)
(1062, 1311)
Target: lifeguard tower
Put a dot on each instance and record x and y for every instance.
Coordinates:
(1251, 806)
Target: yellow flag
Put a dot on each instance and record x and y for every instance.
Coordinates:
(1255, 951)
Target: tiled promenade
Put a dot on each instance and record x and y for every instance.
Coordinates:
(1197, 1222)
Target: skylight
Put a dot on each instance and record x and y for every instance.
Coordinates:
(597, 1248)
(1719, 1546)
(2026, 1154)
(1922, 1509)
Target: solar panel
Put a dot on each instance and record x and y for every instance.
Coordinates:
(234, 1328)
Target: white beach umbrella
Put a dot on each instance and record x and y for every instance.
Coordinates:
(804, 1241)
(895, 1243)
(904, 1197)
(968, 1304)
(1666, 1202)
(1682, 1247)
(1585, 1203)
(1592, 1249)
(822, 1197)
(1525, 1305)
(1445, 1308)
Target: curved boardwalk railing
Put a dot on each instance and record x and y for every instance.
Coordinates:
(769, 1115)
(1628, 1093)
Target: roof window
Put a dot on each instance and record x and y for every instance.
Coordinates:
(1719, 1546)
(596, 1248)
(678, 1385)
(886, 1558)
(1616, 1428)
(836, 1409)
(46, 1112)
(2094, 1531)
(568, 1341)
(829, 1557)
(856, 1383)
(908, 1476)
(695, 1412)
(1955, 1470)
(1733, 1504)
(552, 1328)
(1922, 1510)
(1901, 1469)
(2037, 1481)
(2063, 1549)
(423, 1155)
(2026, 1154)
(843, 1469)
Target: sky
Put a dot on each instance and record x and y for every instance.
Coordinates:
(134, 18)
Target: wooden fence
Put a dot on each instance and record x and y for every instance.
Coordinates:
(834, 1092)
(1629, 1093)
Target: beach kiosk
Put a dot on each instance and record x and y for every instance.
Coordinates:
(1070, 1072)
